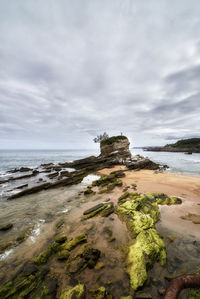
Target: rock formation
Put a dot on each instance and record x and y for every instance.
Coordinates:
(114, 151)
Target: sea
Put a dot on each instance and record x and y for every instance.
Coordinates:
(11, 159)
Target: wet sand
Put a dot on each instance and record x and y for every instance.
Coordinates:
(183, 186)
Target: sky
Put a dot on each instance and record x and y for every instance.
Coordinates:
(72, 69)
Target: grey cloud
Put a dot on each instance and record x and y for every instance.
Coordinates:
(72, 70)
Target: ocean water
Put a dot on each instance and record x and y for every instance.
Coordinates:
(177, 162)
(10, 159)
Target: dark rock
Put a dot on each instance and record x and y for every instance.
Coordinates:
(142, 163)
(6, 226)
(109, 211)
(29, 268)
(21, 186)
(52, 287)
(143, 295)
(91, 257)
(46, 165)
(93, 209)
(53, 175)
(22, 169)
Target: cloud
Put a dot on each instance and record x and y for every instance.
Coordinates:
(72, 70)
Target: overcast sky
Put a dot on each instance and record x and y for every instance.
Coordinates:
(70, 70)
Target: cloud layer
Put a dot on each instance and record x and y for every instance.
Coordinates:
(70, 70)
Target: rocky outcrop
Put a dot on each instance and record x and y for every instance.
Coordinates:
(114, 151)
(117, 146)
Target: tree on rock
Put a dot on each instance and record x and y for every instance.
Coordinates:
(99, 138)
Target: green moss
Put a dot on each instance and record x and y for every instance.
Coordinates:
(162, 199)
(77, 292)
(99, 293)
(69, 245)
(63, 254)
(194, 293)
(146, 249)
(61, 239)
(98, 211)
(5, 288)
(43, 257)
(111, 140)
(59, 223)
(89, 192)
(134, 186)
(139, 214)
(126, 297)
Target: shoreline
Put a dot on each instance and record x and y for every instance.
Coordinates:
(183, 233)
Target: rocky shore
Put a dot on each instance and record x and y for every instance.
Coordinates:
(111, 244)
(114, 152)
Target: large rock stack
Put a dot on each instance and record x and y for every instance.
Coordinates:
(117, 147)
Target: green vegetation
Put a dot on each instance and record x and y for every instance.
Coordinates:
(186, 143)
(111, 140)
(77, 292)
(140, 213)
(102, 210)
(194, 293)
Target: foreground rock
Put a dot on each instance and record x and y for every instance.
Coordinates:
(140, 214)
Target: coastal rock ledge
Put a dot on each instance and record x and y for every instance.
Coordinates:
(114, 151)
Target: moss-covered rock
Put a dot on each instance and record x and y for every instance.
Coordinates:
(43, 257)
(77, 292)
(147, 248)
(63, 254)
(60, 223)
(163, 199)
(69, 245)
(141, 212)
(97, 210)
(89, 192)
(61, 239)
(138, 213)
(25, 285)
(194, 293)
(100, 293)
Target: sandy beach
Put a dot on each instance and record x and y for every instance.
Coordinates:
(184, 186)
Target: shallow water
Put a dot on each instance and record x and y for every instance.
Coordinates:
(177, 162)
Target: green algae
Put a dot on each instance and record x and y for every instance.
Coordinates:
(100, 293)
(194, 293)
(147, 248)
(140, 213)
(61, 239)
(63, 254)
(163, 199)
(43, 257)
(77, 292)
(89, 192)
(26, 286)
(69, 245)
(98, 211)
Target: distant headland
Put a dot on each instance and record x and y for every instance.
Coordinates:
(188, 146)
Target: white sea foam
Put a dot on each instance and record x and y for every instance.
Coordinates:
(4, 255)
